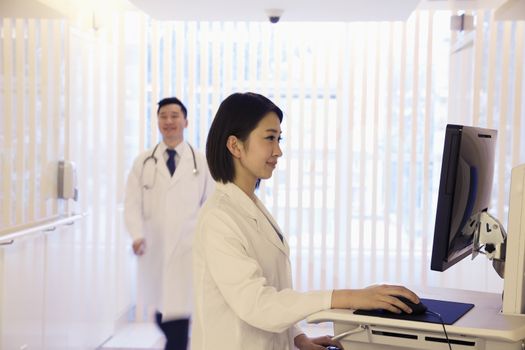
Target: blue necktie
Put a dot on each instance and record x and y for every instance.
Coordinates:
(171, 160)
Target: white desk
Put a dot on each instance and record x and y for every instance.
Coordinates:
(482, 328)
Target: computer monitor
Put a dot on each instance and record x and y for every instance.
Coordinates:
(465, 185)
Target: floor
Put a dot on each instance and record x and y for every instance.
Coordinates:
(136, 336)
(141, 336)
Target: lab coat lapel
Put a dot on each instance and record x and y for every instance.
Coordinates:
(184, 166)
(264, 226)
(266, 220)
(162, 168)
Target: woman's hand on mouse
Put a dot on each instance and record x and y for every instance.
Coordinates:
(374, 297)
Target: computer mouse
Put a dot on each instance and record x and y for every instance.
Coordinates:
(417, 309)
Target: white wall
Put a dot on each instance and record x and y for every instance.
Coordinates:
(67, 288)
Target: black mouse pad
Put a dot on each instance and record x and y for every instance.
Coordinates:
(450, 312)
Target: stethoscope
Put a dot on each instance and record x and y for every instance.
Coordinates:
(152, 159)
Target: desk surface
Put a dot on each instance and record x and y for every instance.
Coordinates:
(484, 320)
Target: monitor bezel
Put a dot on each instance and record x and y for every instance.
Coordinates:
(441, 258)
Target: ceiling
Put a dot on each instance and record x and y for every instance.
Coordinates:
(293, 10)
(256, 10)
(301, 10)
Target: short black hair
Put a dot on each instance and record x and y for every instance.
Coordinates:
(171, 101)
(238, 115)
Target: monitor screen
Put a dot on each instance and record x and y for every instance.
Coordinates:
(465, 185)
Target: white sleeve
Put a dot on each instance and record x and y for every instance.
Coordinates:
(296, 330)
(133, 203)
(239, 278)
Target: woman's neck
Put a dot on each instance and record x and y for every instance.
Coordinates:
(247, 187)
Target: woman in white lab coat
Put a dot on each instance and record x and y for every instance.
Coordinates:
(161, 213)
(242, 276)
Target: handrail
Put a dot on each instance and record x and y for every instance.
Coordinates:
(48, 225)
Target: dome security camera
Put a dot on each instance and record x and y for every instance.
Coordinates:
(274, 15)
(274, 19)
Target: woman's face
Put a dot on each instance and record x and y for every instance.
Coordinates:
(259, 153)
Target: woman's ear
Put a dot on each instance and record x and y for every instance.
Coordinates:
(233, 145)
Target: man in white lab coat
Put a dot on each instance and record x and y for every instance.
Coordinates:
(165, 189)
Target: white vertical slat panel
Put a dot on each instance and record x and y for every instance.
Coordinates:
(426, 145)
(203, 88)
(350, 132)
(452, 89)
(120, 145)
(277, 90)
(362, 149)
(313, 165)
(491, 75)
(180, 48)
(254, 29)
(84, 104)
(120, 94)
(375, 151)
(98, 144)
(106, 196)
(67, 147)
(289, 136)
(142, 91)
(191, 79)
(216, 64)
(114, 243)
(106, 199)
(240, 86)
(167, 63)
(388, 150)
(67, 93)
(478, 66)
(228, 57)
(517, 154)
(255, 52)
(88, 61)
(253, 41)
(262, 84)
(265, 58)
(274, 87)
(7, 122)
(340, 57)
(120, 241)
(66, 150)
(413, 149)
(20, 152)
(263, 87)
(32, 129)
(503, 117)
(56, 110)
(300, 178)
(270, 56)
(400, 155)
(44, 116)
(155, 81)
(324, 120)
(463, 83)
